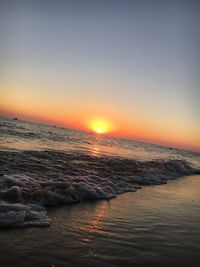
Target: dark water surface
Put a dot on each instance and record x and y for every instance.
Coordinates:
(42, 166)
(155, 226)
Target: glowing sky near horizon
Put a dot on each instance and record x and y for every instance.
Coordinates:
(133, 63)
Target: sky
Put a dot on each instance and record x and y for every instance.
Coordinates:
(133, 64)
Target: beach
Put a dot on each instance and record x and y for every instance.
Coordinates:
(36, 174)
(155, 226)
(113, 202)
(99, 133)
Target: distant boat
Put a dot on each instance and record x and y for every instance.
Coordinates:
(15, 119)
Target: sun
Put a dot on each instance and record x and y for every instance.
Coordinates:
(99, 130)
(99, 126)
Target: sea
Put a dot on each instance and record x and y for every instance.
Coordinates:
(74, 198)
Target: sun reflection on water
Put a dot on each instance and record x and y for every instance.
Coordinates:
(101, 213)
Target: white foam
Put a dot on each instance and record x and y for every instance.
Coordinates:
(19, 215)
(45, 182)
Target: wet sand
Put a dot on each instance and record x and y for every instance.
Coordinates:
(156, 226)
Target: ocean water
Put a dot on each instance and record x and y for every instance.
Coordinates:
(16, 135)
(69, 183)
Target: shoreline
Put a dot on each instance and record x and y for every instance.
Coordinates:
(32, 180)
(156, 226)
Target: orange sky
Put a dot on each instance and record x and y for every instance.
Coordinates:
(82, 119)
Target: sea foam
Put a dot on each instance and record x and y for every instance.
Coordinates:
(30, 181)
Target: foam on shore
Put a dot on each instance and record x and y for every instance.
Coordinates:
(30, 181)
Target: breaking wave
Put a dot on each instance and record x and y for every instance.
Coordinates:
(30, 181)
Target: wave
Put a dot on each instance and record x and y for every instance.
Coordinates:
(30, 181)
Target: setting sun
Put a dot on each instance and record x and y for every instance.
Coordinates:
(99, 126)
(99, 130)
